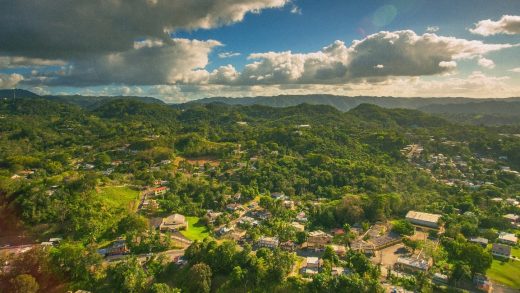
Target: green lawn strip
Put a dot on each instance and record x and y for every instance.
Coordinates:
(505, 273)
(516, 252)
(196, 230)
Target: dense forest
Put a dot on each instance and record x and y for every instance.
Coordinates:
(57, 160)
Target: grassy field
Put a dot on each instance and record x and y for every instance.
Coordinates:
(119, 197)
(196, 230)
(506, 273)
(516, 252)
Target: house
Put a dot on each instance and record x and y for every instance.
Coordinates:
(423, 219)
(312, 262)
(412, 265)
(288, 246)
(318, 239)
(501, 250)
(512, 218)
(337, 271)
(224, 230)
(339, 249)
(507, 238)
(233, 207)
(288, 204)
(480, 241)
(212, 216)
(299, 227)
(269, 242)
(118, 247)
(338, 232)
(160, 190)
(482, 283)
(301, 217)
(56, 240)
(248, 221)
(174, 222)
(278, 195)
(150, 204)
(439, 278)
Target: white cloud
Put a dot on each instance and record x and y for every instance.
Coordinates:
(432, 29)
(448, 64)
(515, 70)
(508, 24)
(148, 63)
(401, 53)
(224, 55)
(9, 80)
(486, 63)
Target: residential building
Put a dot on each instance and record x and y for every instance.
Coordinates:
(339, 249)
(299, 227)
(412, 264)
(174, 222)
(501, 250)
(312, 262)
(512, 218)
(288, 246)
(423, 219)
(480, 241)
(507, 238)
(278, 195)
(482, 283)
(269, 242)
(439, 278)
(318, 239)
(160, 190)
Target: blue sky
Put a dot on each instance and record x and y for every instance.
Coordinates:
(466, 57)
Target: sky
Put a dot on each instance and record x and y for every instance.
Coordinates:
(179, 50)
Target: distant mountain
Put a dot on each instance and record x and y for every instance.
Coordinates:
(87, 102)
(343, 103)
(10, 94)
(505, 107)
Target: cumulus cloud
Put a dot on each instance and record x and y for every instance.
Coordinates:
(9, 80)
(515, 70)
(224, 55)
(147, 63)
(508, 24)
(57, 29)
(375, 58)
(486, 63)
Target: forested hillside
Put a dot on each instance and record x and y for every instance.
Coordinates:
(80, 174)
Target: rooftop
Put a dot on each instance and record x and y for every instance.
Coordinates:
(426, 217)
(412, 262)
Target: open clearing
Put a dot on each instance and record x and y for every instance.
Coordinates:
(119, 197)
(506, 273)
(196, 230)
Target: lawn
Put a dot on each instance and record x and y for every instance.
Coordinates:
(505, 273)
(196, 229)
(119, 197)
(516, 252)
